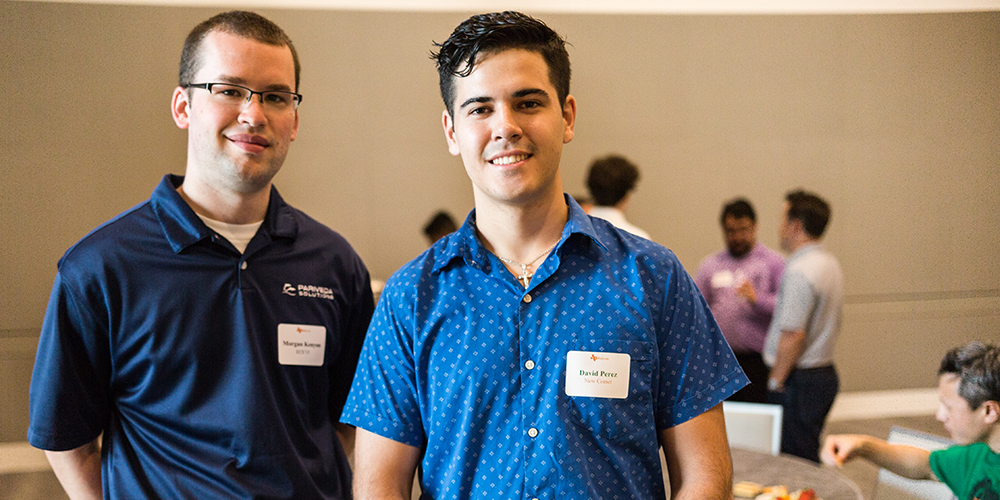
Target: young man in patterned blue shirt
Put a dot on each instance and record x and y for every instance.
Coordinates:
(536, 352)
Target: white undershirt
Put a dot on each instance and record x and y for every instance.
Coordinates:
(237, 234)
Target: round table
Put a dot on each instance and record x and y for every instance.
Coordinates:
(793, 472)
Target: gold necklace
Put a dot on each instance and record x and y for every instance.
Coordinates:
(525, 276)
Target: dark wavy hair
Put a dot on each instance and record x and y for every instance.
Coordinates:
(810, 209)
(978, 368)
(237, 22)
(496, 32)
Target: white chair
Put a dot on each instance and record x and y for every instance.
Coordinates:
(893, 487)
(753, 426)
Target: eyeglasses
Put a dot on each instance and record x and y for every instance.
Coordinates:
(228, 94)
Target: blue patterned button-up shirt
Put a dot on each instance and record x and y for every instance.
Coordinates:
(461, 359)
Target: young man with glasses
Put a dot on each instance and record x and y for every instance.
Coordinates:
(536, 352)
(201, 344)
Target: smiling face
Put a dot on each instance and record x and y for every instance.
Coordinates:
(509, 129)
(236, 149)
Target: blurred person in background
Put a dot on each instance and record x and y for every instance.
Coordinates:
(740, 284)
(804, 329)
(611, 180)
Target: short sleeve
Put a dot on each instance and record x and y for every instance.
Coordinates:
(383, 398)
(69, 392)
(697, 367)
(954, 466)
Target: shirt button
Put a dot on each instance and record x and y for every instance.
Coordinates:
(529, 364)
(532, 432)
(527, 298)
(243, 265)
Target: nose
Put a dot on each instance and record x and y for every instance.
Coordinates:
(505, 126)
(252, 111)
(941, 414)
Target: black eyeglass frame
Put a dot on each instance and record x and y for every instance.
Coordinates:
(296, 98)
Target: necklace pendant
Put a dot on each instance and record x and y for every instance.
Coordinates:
(525, 276)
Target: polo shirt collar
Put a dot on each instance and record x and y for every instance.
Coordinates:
(183, 228)
(804, 249)
(464, 244)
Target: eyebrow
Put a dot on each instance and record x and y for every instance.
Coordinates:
(527, 92)
(235, 80)
(518, 94)
(475, 100)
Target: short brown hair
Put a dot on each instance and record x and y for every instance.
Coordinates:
(237, 22)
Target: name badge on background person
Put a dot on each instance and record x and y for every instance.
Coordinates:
(597, 374)
(723, 279)
(302, 345)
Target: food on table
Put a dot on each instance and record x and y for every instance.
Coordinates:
(747, 489)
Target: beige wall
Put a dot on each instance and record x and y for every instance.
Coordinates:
(894, 118)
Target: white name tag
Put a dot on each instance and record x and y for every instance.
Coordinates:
(303, 345)
(597, 374)
(723, 279)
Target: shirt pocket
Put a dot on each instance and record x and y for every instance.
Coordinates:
(612, 418)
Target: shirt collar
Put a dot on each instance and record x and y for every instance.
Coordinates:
(183, 228)
(464, 243)
(804, 249)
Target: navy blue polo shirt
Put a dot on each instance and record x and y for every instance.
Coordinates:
(211, 374)
(505, 387)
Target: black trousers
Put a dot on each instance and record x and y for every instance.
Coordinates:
(806, 401)
(757, 371)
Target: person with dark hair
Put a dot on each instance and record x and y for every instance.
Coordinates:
(202, 344)
(800, 340)
(536, 352)
(611, 180)
(969, 391)
(740, 284)
(440, 225)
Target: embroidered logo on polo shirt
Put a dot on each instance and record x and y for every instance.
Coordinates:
(319, 292)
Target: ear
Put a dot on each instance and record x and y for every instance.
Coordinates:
(295, 128)
(180, 108)
(449, 133)
(991, 412)
(796, 226)
(569, 116)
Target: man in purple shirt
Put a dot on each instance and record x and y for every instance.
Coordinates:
(740, 285)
